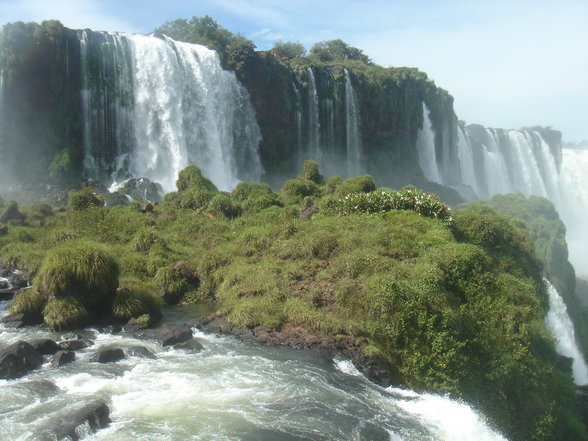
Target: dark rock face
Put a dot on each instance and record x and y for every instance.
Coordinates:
(44, 346)
(96, 415)
(74, 345)
(108, 355)
(12, 213)
(168, 335)
(190, 345)
(63, 357)
(18, 359)
(139, 351)
(14, 321)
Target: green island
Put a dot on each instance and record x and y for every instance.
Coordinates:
(451, 301)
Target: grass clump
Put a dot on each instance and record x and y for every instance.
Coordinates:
(83, 199)
(128, 303)
(30, 303)
(65, 313)
(81, 270)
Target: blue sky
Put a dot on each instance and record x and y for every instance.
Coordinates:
(508, 64)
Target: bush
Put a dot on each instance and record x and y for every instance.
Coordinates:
(358, 184)
(191, 178)
(145, 239)
(175, 281)
(128, 303)
(83, 199)
(310, 171)
(82, 270)
(65, 313)
(288, 49)
(299, 188)
(409, 198)
(222, 206)
(30, 303)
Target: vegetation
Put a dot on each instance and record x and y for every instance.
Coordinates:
(288, 49)
(449, 301)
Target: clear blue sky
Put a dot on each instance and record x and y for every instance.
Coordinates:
(508, 64)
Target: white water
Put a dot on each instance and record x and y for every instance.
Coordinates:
(574, 206)
(466, 161)
(229, 391)
(174, 106)
(354, 167)
(314, 148)
(426, 149)
(559, 323)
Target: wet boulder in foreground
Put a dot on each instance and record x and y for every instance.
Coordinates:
(18, 359)
(93, 416)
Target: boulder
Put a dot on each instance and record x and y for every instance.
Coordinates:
(44, 346)
(19, 279)
(63, 357)
(14, 321)
(12, 213)
(190, 345)
(96, 415)
(3, 230)
(168, 335)
(139, 351)
(18, 359)
(108, 354)
(74, 345)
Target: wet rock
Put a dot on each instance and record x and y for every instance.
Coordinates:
(96, 415)
(12, 213)
(75, 345)
(108, 354)
(18, 359)
(4, 284)
(190, 345)
(63, 357)
(167, 335)
(72, 336)
(3, 230)
(14, 321)
(139, 351)
(44, 346)
(19, 280)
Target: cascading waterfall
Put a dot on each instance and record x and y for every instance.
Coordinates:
(314, 127)
(353, 133)
(426, 149)
(167, 104)
(494, 166)
(466, 160)
(1, 110)
(559, 323)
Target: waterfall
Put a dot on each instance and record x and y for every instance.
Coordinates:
(426, 148)
(157, 105)
(313, 118)
(352, 129)
(559, 323)
(574, 205)
(466, 161)
(1, 111)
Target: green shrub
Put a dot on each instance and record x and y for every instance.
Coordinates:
(65, 313)
(195, 198)
(82, 270)
(175, 281)
(83, 199)
(30, 303)
(222, 206)
(128, 303)
(409, 198)
(299, 188)
(358, 184)
(145, 239)
(191, 178)
(310, 172)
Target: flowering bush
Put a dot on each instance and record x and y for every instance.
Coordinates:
(380, 201)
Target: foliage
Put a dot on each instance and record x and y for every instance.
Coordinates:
(65, 313)
(61, 164)
(288, 49)
(83, 199)
(81, 270)
(336, 50)
(409, 198)
(239, 53)
(191, 178)
(30, 303)
(128, 303)
(310, 172)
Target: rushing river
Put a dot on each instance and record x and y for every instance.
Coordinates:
(229, 391)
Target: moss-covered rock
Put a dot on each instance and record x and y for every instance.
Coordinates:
(65, 313)
(82, 270)
(30, 303)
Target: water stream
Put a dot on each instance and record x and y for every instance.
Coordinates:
(229, 391)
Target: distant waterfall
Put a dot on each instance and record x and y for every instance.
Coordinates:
(559, 323)
(352, 129)
(162, 105)
(314, 127)
(426, 149)
(466, 160)
(1, 110)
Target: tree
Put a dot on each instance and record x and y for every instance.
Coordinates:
(336, 50)
(288, 49)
